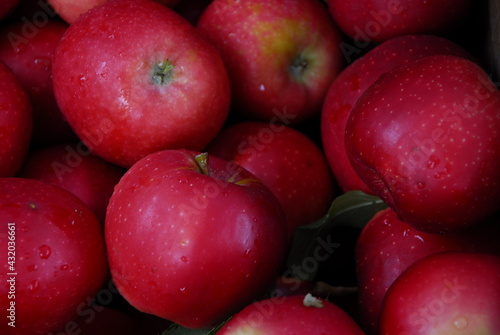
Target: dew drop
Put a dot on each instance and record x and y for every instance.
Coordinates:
(64, 267)
(247, 253)
(420, 185)
(182, 289)
(32, 267)
(184, 259)
(433, 162)
(82, 80)
(44, 251)
(20, 48)
(460, 322)
(33, 286)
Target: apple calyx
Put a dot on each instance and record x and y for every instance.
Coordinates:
(311, 301)
(162, 72)
(299, 66)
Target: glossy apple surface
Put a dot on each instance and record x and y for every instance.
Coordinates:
(286, 161)
(354, 80)
(425, 138)
(446, 293)
(192, 238)
(58, 251)
(146, 81)
(70, 10)
(29, 51)
(387, 246)
(74, 168)
(16, 123)
(281, 56)
(291, 315)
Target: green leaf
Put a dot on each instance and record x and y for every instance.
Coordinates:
(352, 209)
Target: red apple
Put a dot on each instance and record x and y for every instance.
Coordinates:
(74, 168)
(281, 56)
(193, 238)
(425, 138)
(367, 20)
(56, 256)
(387, 246)
(146, 80)
(16, 123)
(445, 293)
(298, 314)
(286, 161)
(353, 81)
(70, 10)
(28, 50)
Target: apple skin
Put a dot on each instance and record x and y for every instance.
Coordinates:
(289, 315)
(16, 123)
(353, 81)
(290, 77)
(122, 100)
(445, 293)
(30, 56)
(380, 20)
(74, 168)
(387, 246)
(286, 161)
(193, 243)
(424, 138)
(60, 257)
(70, 10)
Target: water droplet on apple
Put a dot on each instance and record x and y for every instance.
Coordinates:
(247, 253)
(420, 185)
(461, 322)
(20, 48)
(262, 87)
(32, 267)
(182, 289)
(44, 251)
(82, 80)
(184, 259)
(64, 267)
(33, 286)
(433, 162)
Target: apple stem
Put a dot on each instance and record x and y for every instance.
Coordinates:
(162, 72)
(202, 162)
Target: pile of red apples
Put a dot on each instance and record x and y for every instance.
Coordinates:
(182, 167)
